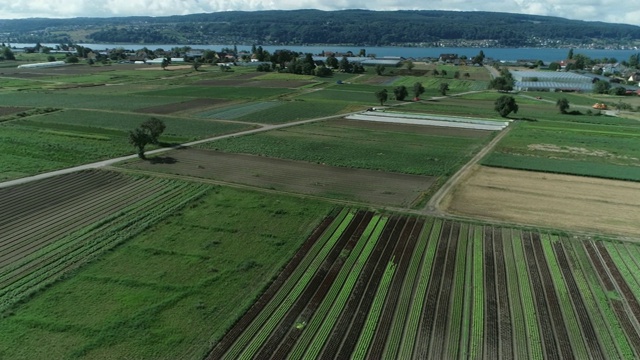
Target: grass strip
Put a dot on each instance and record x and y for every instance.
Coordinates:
(277, 308)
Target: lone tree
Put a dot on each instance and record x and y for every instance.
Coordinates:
(409, 65)
(154, 127)
(380, 69)
(139, 138)
(506, 105)
(563, 105)
(196, 64)
(147, 133)
(165, 62)
(444, 87)
(401, 92)
(418, 90)
(478, 59)
(382, 96)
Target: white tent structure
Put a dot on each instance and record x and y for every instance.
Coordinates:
(42, 65)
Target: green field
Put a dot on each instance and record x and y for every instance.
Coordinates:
(584, 145)
(68, 138)
(355, 146)
(178, 129)
(78, 100)
(126, 264)
(218, 92)
(170, 292)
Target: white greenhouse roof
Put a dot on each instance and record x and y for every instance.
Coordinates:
(553, 76)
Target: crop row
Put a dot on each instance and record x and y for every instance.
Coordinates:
(79, 247)
(296, 283)
(405, 287)
(324, 284)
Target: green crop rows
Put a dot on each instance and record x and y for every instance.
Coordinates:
(464, 331)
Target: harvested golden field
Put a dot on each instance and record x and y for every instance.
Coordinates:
(549, 200)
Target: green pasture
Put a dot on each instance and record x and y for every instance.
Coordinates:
(275, 112)
(218, 92)
(11, 84)
(177, 129)
(432, 85)
(80, 100)
(284, 76)
(563, 166)
(69, 138)
(117, 76)
(353, 146)
(467, 105)
(171, 292)
(294, 110)
(236, 111)
(609, 148)
(28, 150)
(578, 99)
(349, 93)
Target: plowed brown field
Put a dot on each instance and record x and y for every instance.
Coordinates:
(550, 200)
(366, 186)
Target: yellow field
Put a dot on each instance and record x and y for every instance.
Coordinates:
(558, 201)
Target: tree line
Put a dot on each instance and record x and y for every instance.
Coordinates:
(358, 27)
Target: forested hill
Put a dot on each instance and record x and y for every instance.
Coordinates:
(349, 27)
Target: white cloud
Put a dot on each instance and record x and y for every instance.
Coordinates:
(592, 10)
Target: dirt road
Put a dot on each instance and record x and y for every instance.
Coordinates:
(433, 206)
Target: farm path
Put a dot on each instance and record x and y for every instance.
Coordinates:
(108, 162)
(433, 206)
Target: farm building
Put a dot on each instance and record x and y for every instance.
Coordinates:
(42, 65)
(551, 81)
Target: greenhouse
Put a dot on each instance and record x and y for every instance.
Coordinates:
(42, 65)
(551, 81)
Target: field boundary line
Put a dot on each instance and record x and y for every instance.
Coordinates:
(433, 206)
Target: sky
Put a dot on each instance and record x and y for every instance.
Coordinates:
(612, 11)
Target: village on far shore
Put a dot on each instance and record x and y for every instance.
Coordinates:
(566, 75)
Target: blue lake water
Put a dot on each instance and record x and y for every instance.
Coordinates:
(545, 54)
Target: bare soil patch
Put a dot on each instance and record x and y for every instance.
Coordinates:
(368, 186)
(279, 84)
(182, 106)
(11, 110)
(550, 200)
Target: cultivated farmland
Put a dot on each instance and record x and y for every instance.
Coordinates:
(549, 200)
(587, 145)
(167, 265)
(159, 259)
(409, 149)
(380, 286)
(51, 227)
(357, 185)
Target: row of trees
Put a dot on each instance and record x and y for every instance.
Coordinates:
(401, 92)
